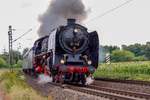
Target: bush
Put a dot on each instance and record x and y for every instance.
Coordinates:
(15, 87)
(19, 64)
(140, 58)
(11, 79)
(2, 62)
(122, 55)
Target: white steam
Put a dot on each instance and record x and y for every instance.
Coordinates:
(89, 80)
(43, 79)
(58, 12)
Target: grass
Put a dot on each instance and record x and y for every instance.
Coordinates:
(125, 70)
(15, 87)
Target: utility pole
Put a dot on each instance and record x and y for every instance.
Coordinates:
(10, 48)
(11, 41)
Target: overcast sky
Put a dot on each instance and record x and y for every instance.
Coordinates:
(126, 25)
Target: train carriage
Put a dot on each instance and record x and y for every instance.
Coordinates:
(28, 61)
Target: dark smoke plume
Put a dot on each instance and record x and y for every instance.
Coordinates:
(58, 12)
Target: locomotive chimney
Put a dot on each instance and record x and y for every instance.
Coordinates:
(71, 21)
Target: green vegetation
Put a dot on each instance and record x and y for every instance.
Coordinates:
(122, 55)
(139, 49)
(134, 52)
(15, 87)
(125, 70)
(2, 63)
(18, 64)
(17, 59)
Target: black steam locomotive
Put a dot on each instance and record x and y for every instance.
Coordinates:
(69, 54)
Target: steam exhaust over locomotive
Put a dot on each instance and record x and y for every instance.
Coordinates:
(68, 54)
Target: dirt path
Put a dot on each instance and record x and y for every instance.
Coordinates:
(3, 95)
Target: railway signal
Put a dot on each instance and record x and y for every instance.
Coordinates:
(10, 39)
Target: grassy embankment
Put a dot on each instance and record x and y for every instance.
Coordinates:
(125, 70)
(15, 87)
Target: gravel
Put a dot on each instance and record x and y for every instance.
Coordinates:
(124, 86)
(58, 93)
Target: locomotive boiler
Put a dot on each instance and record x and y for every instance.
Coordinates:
(68, 54)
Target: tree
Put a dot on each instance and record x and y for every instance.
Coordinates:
(140, 50)
(122, 55)
(147, 50)
(5, 56)
(18, 64)
(110, 48)
(16, 56)
(137, 49)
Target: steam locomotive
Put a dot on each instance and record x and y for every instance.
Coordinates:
(68, 54)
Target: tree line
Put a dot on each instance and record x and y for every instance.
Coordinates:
(134, 52)
(17, 59)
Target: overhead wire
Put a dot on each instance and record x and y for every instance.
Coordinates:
(23, 35)
(111, 10)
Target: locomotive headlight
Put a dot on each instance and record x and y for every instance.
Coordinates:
(76, 30)
(89, 62)
(62, 61)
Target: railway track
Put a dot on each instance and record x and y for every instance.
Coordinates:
(146, 83)
(135, 95)
(96, 90)
(105, 92)
(100, 93)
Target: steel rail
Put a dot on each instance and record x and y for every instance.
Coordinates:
(136, 82)
(100, 93)
(112, 94)
(121, 92)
